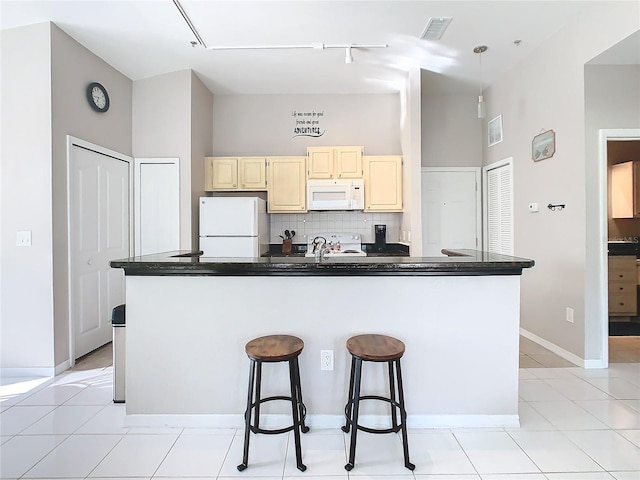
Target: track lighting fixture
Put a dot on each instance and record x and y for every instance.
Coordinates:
(315, 46)
(348, 57)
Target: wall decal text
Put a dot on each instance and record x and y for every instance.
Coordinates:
(307, 123)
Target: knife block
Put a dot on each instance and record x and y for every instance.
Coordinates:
(286, 246)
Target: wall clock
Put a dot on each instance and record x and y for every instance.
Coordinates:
(98, 97)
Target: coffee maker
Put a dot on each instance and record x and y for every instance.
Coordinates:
(381, 238)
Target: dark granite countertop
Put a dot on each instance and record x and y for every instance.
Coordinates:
(459, 262)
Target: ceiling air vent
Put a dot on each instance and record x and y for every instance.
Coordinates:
(435, 28)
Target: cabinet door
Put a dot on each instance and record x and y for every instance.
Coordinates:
(286, 184)
(636, 189)
(622, 285)
(252, 173)
(208, 174)
(224, 173)
(348, 162)
(382, 183)
(321, 162)
(624, 190)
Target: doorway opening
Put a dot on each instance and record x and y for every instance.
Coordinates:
(620, 223)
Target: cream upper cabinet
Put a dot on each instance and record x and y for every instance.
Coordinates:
(382, 183)
(320, 162)
(221, 173)
(625, 190)
(235, 173)
(252, 173)
(334, 162)
(286, 184)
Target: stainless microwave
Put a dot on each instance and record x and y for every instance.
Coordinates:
(335, 194)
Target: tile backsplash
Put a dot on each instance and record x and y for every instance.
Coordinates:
(313, 223)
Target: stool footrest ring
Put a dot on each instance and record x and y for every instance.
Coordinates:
(265, 431)
(396, 429)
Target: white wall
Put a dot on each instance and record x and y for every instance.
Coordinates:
(451, 130)
(73, 67)
(460, 367)
(162, 128)
(201, 144)
(44, 77)
(546, 91)
(26, 273)
(612, 101)
(263, 124)
(411, 138)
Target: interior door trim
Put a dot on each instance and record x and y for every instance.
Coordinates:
(602, 274)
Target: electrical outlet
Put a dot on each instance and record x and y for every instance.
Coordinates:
(326, 359)
(569, 315)
(23, 238)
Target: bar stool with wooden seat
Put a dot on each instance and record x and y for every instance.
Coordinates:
(271, 349)
(376, 348)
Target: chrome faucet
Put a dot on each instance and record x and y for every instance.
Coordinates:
(319, 247)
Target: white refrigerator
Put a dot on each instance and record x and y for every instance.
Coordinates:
(233, 226)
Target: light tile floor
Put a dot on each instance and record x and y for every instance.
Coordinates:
(575, 425)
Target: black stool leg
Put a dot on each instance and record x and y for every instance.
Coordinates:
(247, 417)
(392, 391)
(347, 424)
(256, 413)
(295, 410)
(403, 413)
(354, 417)
(301, 413)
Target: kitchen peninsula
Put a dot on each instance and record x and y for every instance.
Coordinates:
(189, 317)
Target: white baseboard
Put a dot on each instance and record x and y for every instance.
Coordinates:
(64, 366)
(35, 371)
(321, 421)
(184, 421)
(592, 364)
(463, 421)
(27, 372)
(573, 358)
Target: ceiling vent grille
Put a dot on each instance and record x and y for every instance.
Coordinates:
(435, 28)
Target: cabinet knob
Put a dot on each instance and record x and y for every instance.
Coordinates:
(234, 186)
(90, 262)
(621, 276)
(621, 288)
(621, 304)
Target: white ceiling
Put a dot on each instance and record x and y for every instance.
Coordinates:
(146, 38)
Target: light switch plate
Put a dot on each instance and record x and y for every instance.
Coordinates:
(23, 238)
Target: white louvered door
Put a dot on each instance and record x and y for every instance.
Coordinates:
(498, 180)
